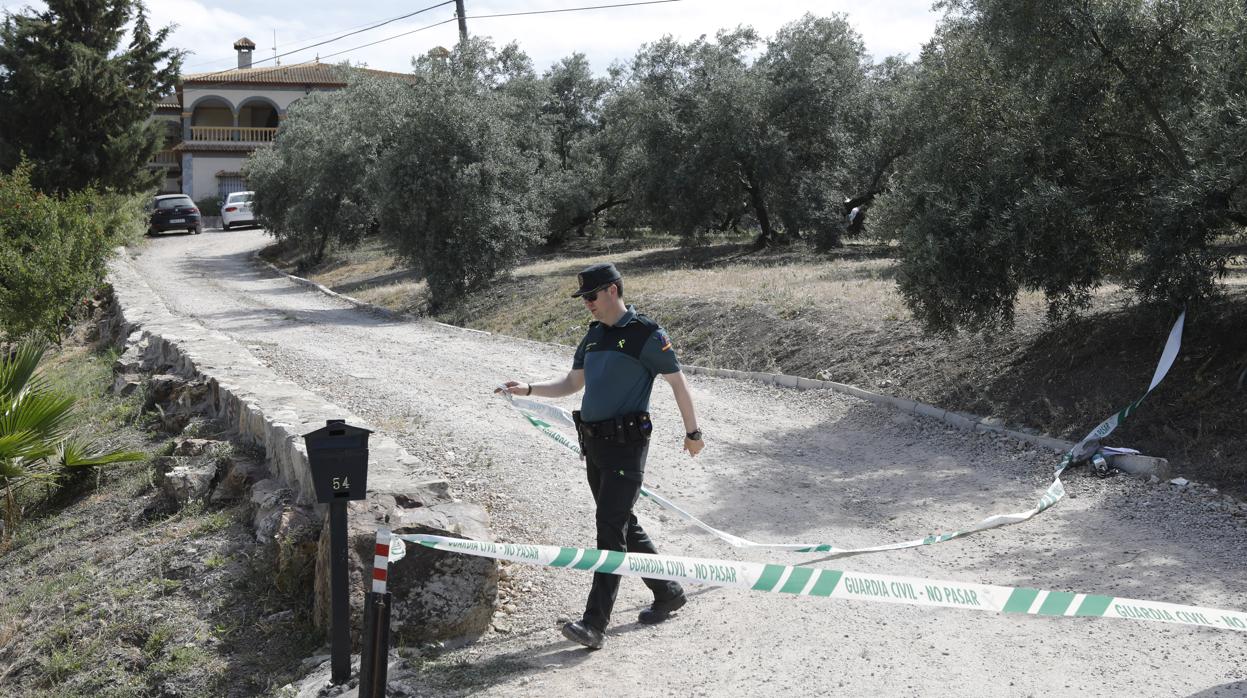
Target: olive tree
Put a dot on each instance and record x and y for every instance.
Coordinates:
(573, 177)
(1060, 145)
(312, 186)
(457, 196)
(716, 137)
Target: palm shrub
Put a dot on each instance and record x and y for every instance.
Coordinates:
(35, 442)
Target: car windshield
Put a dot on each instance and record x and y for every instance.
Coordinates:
(239, 198)
(174, 202)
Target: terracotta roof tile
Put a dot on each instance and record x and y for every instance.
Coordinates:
(311, 73)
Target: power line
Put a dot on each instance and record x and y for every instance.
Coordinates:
(276, 69)
(339, 38)
(294, 41)
(572, 9)
(511, 14)
(447, 21)
(396, 36)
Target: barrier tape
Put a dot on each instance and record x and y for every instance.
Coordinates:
(837, 584)
(544, 416)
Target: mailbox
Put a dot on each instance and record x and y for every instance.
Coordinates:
(338, 456)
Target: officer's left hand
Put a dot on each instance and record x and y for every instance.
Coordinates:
(693, 446)
(514, 388)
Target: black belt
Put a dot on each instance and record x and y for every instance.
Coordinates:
(628, 428)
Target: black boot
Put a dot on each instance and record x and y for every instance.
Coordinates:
(661, 610)
(585, 635)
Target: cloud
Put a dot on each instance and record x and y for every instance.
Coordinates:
(209, 30)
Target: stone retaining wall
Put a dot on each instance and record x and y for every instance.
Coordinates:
(262, 409)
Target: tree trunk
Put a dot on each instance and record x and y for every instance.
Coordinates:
(758, 201)
(320, 247)
(581, 222)
(791, 228)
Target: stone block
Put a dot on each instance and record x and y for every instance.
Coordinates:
(186, 479)
(125, 384)
(442, 597)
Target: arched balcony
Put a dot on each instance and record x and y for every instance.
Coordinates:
(215, 119)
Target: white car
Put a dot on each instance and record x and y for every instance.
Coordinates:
(237, 210)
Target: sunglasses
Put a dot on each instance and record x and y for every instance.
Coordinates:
(592, 296)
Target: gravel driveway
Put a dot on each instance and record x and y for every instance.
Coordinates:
(780, 465)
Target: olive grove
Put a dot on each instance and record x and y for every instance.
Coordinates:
(1042, 146)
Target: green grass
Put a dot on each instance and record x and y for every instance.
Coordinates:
(214, 521)
(95, 595)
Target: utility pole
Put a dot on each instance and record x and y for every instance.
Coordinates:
(463, 21)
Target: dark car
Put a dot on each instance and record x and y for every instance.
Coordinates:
(174, 212)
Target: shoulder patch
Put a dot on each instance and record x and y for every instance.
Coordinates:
(663, 340)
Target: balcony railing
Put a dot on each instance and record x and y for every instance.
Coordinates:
(238, 134)
(164, 158)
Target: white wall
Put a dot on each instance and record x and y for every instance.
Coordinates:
(204, 167)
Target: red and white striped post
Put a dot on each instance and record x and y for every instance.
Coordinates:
(381, 561)
(374, 658)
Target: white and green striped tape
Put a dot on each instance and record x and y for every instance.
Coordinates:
(544, 416)
(836, 584)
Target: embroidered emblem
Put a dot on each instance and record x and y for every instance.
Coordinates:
(621, 343)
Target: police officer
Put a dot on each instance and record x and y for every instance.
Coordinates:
(616, 363)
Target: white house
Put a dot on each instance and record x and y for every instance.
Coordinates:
(223, 116)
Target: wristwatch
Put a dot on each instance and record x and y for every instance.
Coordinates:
(694, 435)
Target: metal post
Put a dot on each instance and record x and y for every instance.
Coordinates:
(340, 631)
(375, 657)
(463, 21)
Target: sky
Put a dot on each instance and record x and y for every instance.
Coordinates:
(208, 29)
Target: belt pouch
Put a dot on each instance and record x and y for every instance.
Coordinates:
(580, 431)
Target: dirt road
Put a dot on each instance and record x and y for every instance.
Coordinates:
(780, 465)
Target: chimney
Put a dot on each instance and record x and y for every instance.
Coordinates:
(244, 47)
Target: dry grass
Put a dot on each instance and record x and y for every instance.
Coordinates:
(401, 296)
(365, 263)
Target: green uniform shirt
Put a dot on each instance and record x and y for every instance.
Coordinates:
(620, 362)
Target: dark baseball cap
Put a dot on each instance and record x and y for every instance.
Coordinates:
(594, 277)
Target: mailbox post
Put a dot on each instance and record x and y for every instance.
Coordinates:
(338, 457)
